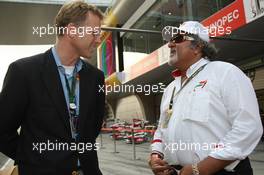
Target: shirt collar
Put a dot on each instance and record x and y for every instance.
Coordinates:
(176, 73)
(78, 65)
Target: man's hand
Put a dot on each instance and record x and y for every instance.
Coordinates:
(186, 170)
(159, 166)
(211, 165)
(208, 166)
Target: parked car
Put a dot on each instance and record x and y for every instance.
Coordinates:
(139, 137)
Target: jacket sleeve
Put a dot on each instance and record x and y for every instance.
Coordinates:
(100, 104)
(13, 100)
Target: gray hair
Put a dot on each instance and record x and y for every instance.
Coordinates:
(209, 50)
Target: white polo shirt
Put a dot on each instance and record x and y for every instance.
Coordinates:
(216, 114)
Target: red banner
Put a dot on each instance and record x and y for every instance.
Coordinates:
(226, 20)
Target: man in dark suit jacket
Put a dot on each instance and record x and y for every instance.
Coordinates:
(58, 129)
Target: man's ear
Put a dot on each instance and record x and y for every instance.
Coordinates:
(198, 49)
(71, 30)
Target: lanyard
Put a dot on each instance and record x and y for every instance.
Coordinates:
(187, 81)
(169, 110)
(74, 119)
(71, 90)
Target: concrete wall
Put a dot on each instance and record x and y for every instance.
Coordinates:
(130, 107)
(258, 82)
(151, 105)
(137, 106)
(18, 19)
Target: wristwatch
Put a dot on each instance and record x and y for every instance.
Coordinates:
(195, 169)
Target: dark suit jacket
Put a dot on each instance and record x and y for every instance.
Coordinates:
(32, 97)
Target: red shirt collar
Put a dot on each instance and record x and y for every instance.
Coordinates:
(176, 73)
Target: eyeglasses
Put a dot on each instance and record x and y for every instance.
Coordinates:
(181, 38)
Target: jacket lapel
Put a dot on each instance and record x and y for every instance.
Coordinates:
(53, 84)
(86, 94)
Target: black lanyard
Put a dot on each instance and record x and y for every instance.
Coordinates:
(74, 118)
(71, 89)
(187, 81)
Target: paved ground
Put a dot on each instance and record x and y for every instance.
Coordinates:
(257, 159)
(3, 160)
(122, 163)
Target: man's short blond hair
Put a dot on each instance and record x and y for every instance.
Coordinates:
(74, 12)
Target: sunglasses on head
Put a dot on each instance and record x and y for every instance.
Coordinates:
(181, 38)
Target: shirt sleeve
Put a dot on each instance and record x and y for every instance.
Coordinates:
(157, 145)
(243, 113)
